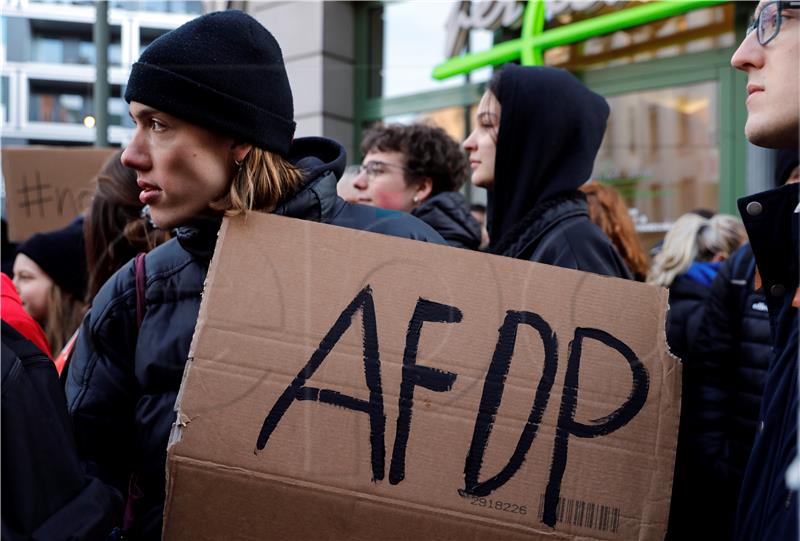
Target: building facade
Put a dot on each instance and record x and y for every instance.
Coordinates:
(48, 65)
(675, 138)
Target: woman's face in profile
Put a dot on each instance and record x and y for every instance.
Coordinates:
(34, 286)
(482, 142)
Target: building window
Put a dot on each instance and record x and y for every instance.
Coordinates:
(148, 36)
(56, 42)
(4, 88)
(164, 6)
(69, 103)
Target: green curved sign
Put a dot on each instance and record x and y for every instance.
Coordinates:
(534, 39)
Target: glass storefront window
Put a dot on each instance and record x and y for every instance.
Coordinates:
(662, 152)
(699, 30)
(407, 40)
(70, 103)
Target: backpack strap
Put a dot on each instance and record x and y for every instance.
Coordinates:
(141, 280)
(134, 491)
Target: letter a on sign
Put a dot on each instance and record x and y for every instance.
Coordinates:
(298, 390)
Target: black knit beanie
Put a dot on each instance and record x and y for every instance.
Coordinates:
(223, 71)
(62, 256)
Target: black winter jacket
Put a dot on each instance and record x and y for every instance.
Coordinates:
(448, 213)
(728, 365)
(123, 380)
(560, 233)
(686, 299)
(767, 509)
(45, 492)
(551, 127)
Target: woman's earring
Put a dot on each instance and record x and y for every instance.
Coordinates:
(238, 164)
(416, 199)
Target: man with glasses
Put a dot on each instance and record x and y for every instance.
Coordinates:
(418, 169)
(770, 55)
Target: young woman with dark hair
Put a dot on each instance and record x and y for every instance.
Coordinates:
(537, 133)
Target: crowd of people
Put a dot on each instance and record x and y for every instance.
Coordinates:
(109, 303)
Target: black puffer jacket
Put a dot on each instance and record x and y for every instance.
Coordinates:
(448, 213)
(551, 127)
(729, 359)
(123, 380)
(686, 300)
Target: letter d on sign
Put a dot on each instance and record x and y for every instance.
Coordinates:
(600, 427)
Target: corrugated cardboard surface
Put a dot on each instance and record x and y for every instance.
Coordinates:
(46, 187)
(276, 287)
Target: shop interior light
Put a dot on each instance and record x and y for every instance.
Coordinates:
(89, 121)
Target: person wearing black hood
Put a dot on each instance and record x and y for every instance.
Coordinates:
(214, 136)
(537, 134)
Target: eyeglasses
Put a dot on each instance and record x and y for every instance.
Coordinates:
(376, 168)
(767, 23)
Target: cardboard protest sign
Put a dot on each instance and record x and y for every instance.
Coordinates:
(47, 187)
(346, 385)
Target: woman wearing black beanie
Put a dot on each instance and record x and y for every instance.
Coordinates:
(214, 135)
(50, 275)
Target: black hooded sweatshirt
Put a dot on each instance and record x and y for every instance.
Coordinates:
(551, 127)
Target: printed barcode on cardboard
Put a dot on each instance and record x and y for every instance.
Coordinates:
(591, 515)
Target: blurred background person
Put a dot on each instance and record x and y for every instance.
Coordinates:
(50, 275)
(537, 133)
(418, 169)
(115, 228)
(13, 313)
(609, 212)
(689, 259)
(730, 355)
(703, 213)
(687, 264)
(46, 494)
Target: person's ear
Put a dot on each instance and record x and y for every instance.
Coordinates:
(239, 151)
(719, 257)
(424, 189)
